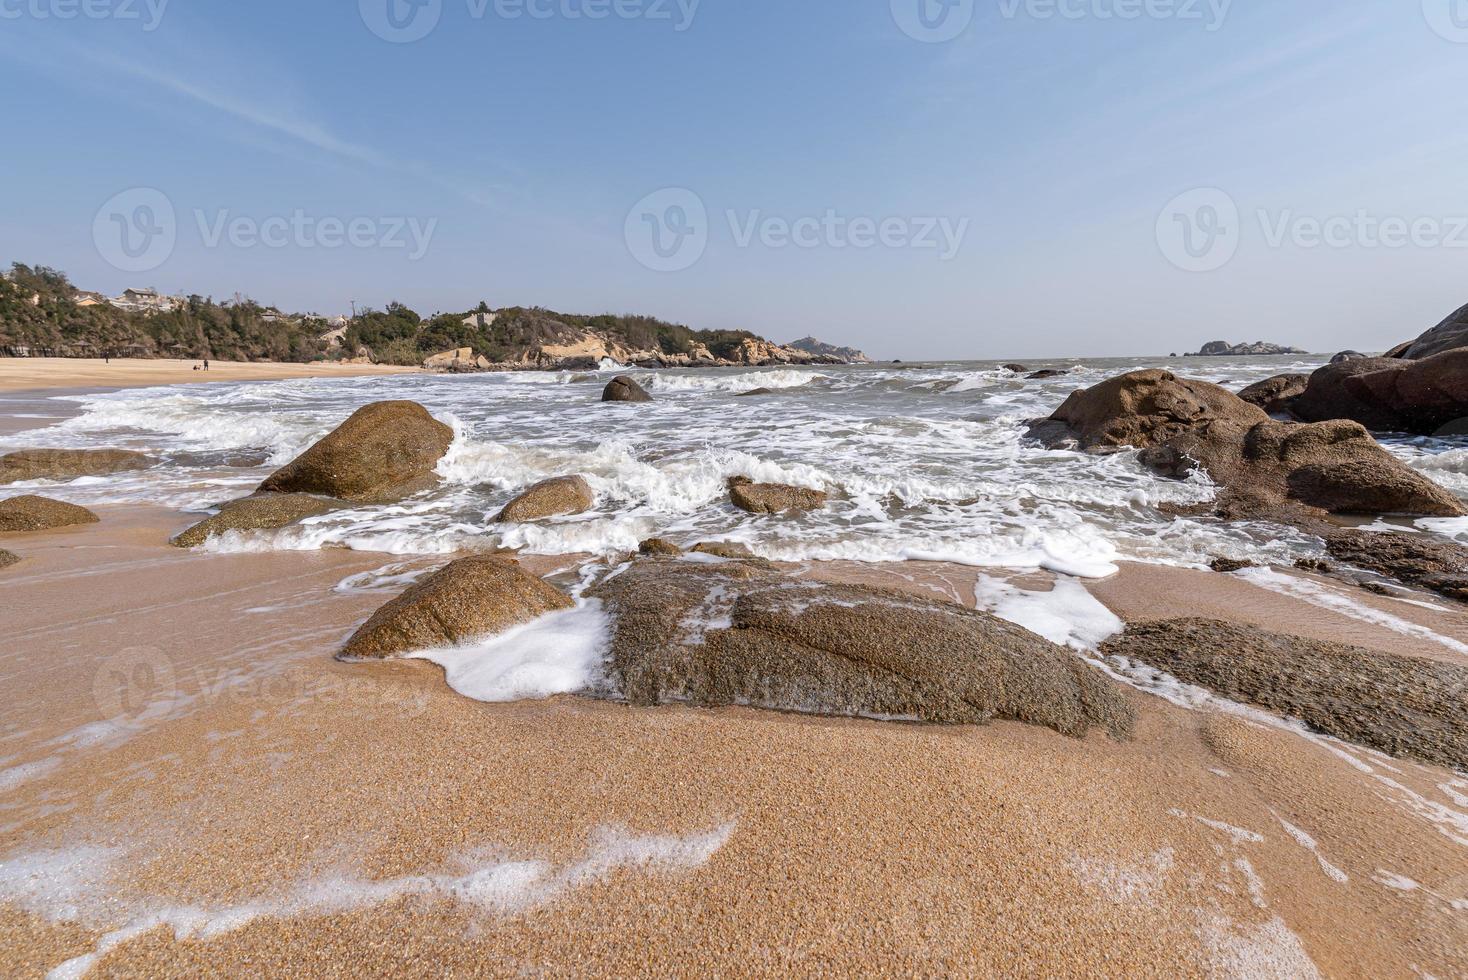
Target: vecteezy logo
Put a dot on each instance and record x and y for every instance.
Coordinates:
(1449, 18)
(401, 21)
(136, 230)
(134, 685)
(1199, 231)
(933, 21)
(668, 230)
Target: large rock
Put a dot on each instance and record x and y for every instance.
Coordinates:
(774, 498)
(471, 598)
(1414, 559)
(1451, 334)
(1263, 466)
(1401, 705)
(262, 512)
(1389, 394)
(550, 498)
(1275, 394)
(68, 464)
(385, 451)
(624, 389)
(7, 558)
(738, 634)
(30, 513)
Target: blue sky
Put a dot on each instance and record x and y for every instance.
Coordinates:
(1050, 138)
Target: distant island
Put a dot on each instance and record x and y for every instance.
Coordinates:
(1222, 348)
(43, 315)
(813, 346)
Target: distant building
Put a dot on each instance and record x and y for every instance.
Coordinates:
(85, 297)
(145, 301)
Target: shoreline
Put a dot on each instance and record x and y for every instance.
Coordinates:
(771, 841)
(68, 375)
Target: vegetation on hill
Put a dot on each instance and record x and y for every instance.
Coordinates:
(239, 329)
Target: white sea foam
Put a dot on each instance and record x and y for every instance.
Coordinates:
(1067, 614)
(1328, 598)
(927, 462)
(78, 886)
(559, 653)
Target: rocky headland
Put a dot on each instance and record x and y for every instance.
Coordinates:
(1259, 348)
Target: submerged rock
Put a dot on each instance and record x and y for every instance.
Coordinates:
(754, 392)
(7, 558)
(739, 634)
(473, 597)
(1400, 705)
(1046, 373)
(1265, 467)
(261, 512)
(773, 498)
(68, 464)
(733, 550)
(1274, 395)
(549, 498)
(1015, 368)
(624, 389)
(31, 513)
(386, 451)
(1415, 559)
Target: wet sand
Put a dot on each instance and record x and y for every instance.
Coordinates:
(32, 373)
(190, 784)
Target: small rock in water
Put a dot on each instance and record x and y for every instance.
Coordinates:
(1232, 564)
(1405, 706)
(1016, 368)
(7, 558)
(384, 452)
(657, 546)
(468, 599)
(724, 549)
(32, 513)
(550, 498)
(261, 512)
(68, 464)
(624, 389)
(774, 498)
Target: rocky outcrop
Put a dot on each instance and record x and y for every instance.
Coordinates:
(1401, 705)
(1015, 368)
(468, 599)
(733, 550)
(68, 464)
(31, 513)
(261, 512)
(844, 355)
(549, 498)
(1274, 395)
(624, 389)
(1414, 559)
(1222, 348)
(384, 452)
(1263, 466)
(1390, 394)
(773, 498)
(1451, 334)
(459, 361)
(738, 634)
(7, 558)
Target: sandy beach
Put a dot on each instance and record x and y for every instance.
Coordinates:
(193, 785)
(33, 373)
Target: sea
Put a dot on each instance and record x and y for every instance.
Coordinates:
(925, 461)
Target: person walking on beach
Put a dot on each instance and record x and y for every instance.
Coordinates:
(206, 364)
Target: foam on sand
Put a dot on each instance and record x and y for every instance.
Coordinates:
(76, 886)
(560, 653)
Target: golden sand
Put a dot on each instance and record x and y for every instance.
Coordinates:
(182, 714)
(32, 373)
